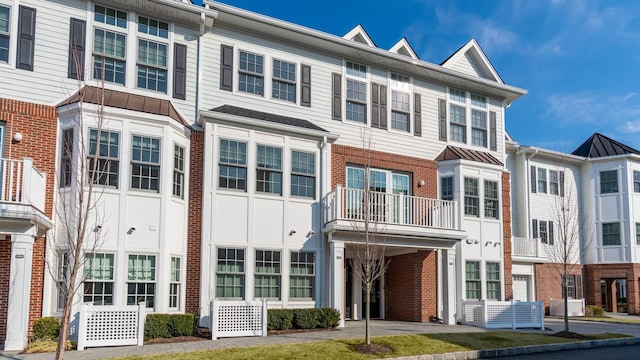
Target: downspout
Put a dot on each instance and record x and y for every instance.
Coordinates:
(203, 19)
(321, 191)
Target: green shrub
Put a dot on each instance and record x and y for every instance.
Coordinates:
(305, 318)
(157, 326)
(594, 311)
(279, 319)
(622, 307)
(181, 324)
(329, 318)
(46, 328)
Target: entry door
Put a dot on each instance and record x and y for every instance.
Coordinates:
(374, 300)
(521, 287)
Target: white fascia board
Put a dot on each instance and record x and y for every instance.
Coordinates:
(206, 115)
(347, 48)
(477, 51)
(550, 154)
(634, 157)
(404, 43)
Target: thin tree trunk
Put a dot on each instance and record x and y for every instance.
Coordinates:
(368, 316)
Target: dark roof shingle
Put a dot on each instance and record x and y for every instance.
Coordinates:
(456, 153)
(599, 145)
(259, 115)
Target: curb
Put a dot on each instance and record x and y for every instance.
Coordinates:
(520, 350)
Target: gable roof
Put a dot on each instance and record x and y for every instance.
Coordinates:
(360, 35)
(403, 47)
(599, 145)
(123, 100)
(471, 60)
(458, 153)
(259, 115)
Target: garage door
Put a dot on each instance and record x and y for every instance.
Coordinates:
(521, 287)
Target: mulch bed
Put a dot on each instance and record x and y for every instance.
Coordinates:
(569, 335)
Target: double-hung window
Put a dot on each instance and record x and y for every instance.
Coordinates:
(493, 280)
(574, 286)
(269, 170)
(553, 182)
(471, 197)
(611, 234)
(178, 171)
(636, 181)
(141, 280)
(446, 188)
(478, 120)
(637, 233)
(303, 174)
(174, 283)
(230, 274)
(152, 54)
(400, 103)
(543, 230)
(251, 73)
(356, 106)
(5, 14)
(302, 278)
(608, 182)
(66, 165)
(458, 115)
(542, 180)
(472, 280)
(267, 275)
(233, 165)
(62, 281)
(98, 279)
(283, 86)
(103, 157)
(491, 209)
(109, 44)
(145, 163)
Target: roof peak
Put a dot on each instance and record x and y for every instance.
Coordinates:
(599, 145)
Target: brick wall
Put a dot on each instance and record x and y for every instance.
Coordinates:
(194, 240)
(629, 271)
(410, 288)
(506, 235)
(38, 126)
(548, 281)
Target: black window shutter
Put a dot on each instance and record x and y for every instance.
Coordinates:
(493, 138)
(77, 36)
(550, 232)
(383, 106)
(417, 114)
(579, 286)
(442, 119)
(375, 105)
(562, 183)
(336, 90)
(226, 67)
(534, 228)
(533, 179)
(180, 71)
(26, 38)
(305, 88)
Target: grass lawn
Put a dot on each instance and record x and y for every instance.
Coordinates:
(403, 345)
(635, 320)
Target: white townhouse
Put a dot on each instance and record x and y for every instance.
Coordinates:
(592, 195)
(60, 62)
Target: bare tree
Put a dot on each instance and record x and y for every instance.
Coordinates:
(368, 252)
(78, 208)
(572, 238)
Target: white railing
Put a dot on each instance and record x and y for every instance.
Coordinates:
(350, 204)
(527, 247)
(576, 307)
(503, 314)
(111, 325)
(22, 183)
(238, 318)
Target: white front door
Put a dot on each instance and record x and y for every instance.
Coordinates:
(521, 287)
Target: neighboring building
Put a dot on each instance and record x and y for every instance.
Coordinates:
(596, 187)
(234, 150)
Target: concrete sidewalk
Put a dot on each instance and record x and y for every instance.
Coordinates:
(353, 329)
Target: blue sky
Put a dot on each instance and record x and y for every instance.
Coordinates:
(579, 59)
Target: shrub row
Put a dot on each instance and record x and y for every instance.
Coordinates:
(168, 325)
(594, 311)
(285, 319)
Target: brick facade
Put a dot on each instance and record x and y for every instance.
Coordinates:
(194, 239)
(411, 287)
(549, 284)
(506, 235)
(629, 271)
(38, 126)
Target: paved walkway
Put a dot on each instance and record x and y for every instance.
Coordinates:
(353, 329)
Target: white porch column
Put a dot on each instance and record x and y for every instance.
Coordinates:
(19, 292)
(449, 284)
(337, 278)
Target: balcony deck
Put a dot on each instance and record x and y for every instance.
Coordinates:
(22, 195)
(528, 250)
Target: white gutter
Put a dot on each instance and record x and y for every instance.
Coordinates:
(267, 124)
(187, 7)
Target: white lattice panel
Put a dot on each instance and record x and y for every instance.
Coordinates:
(504, 314)
(110, 325)
(527, 313)
(238, 318)
(498, 314)
(473, 314)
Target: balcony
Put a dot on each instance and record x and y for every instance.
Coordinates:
(391, 214)
(22, 195)
(528, 250)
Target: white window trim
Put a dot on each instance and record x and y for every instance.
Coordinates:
(13, 29)
(469, 108)
(160, 164)
(155, 277)
(131, 75)
(367, 81)
(180, 282)
(408, 91)
(291, 173)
